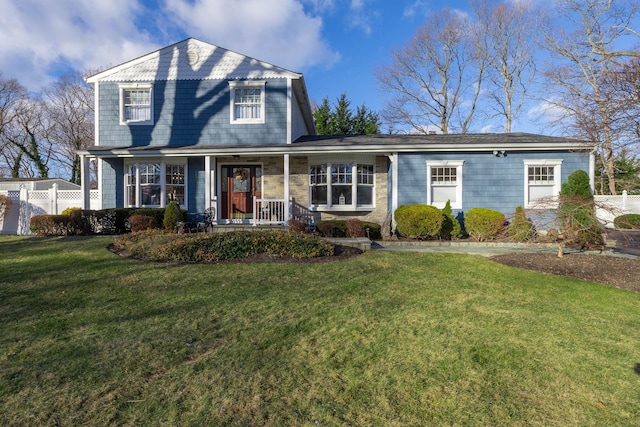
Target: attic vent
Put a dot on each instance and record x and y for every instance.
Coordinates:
(192, 57)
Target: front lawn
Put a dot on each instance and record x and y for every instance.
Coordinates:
(383, 339)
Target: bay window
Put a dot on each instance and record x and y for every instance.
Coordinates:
(154, 184)
(341, 185)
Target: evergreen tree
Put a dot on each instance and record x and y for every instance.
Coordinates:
(341, 119)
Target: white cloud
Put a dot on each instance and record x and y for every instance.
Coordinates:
(277, 31)
(39, 39)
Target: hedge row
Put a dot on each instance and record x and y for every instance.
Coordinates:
(106, 221)
(420, 221)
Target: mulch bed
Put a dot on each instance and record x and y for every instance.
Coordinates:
(614, 271)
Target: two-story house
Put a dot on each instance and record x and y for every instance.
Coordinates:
(211, 128)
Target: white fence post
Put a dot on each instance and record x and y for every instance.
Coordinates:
(53, 198)
(24, 215)
(624, 199)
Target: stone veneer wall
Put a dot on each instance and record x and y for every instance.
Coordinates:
(299, 190)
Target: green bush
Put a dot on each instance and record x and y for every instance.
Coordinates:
(483, 224)
(451, 227)
(142, 223)
(419, 221)
(171, 216)
(223, 246)
(340, 228)
(69, 211)
(520, 229)
(577, 212)
(332, 228)
(629, 221)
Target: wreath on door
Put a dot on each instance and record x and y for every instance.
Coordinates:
(241, 174)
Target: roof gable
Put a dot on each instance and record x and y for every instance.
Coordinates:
(192, 59)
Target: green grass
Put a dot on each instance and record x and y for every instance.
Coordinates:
(385, 339)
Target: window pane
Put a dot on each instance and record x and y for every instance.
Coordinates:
(443, 175)
(319, 195)
(365, 195)
(341, 174)
(175, 193)
(440, 194)
(150, 195)
(137, 104)
(341, 195)
(248, 103)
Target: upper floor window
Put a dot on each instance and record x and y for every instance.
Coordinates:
(541, 183)
(444, 182)
(136, 106)
(247, 101)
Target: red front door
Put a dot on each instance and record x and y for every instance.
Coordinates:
(239, 184)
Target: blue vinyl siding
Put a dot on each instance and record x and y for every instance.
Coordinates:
(487, 181)
(113, 183)
(196, 182)
(188, 112)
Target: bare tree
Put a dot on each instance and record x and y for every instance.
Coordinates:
(436, 77)
(584, 61)
(509, 32)
(25, 140)
(69, 106)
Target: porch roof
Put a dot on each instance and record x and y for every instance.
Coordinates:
(384, 144)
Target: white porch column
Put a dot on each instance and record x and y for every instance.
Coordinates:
(393, 158)
(592, 171)
(208, 182)
(85, 182)
(287, 201)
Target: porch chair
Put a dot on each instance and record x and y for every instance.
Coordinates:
(207, 220)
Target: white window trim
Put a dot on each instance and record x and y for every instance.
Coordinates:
(450, 164)
(244, 84)
(557, 171)
(163, 181)
(129, 86)
(353, 207)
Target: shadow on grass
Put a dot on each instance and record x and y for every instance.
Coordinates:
(636, 368)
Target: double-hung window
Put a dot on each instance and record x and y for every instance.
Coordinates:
(154, 184)
(247, 101)
(444, 182)
(136, 104)
(541, 183)
(342, 186)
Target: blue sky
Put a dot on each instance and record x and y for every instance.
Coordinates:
(336, 44)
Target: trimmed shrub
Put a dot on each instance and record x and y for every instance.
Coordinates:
(419, 221)
(372, 230)
(520, 229)
(628, 221)
(141, 223)
(51, 225)
(484, 224)
(451, 227)
(577, 212)
(332, 228)
(171, 216)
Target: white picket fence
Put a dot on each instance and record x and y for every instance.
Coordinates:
(26, 204)
(609, 207)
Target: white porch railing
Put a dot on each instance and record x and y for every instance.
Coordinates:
(269, 211)
(609, 207)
